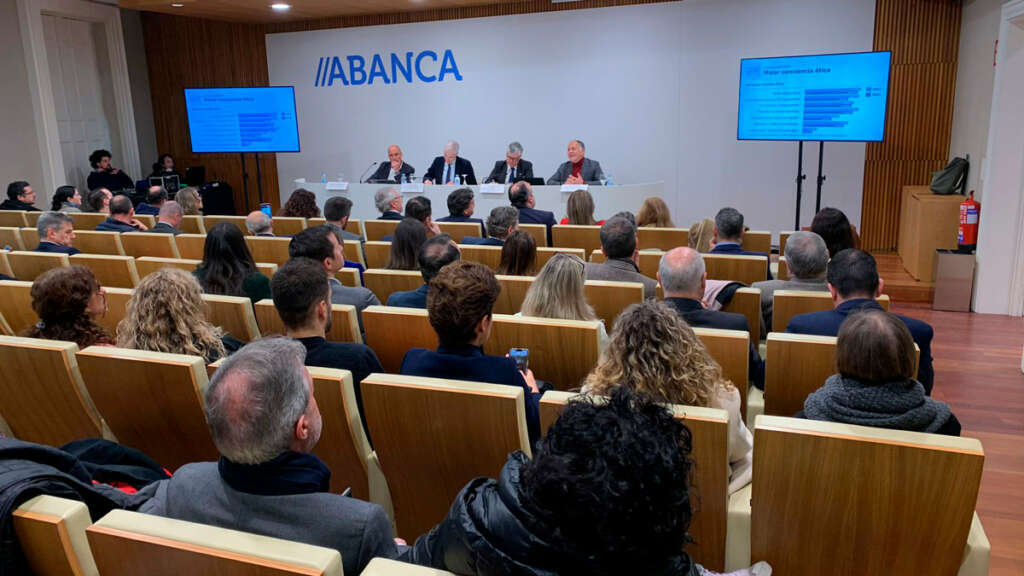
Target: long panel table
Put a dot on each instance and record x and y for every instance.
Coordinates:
(608, 200)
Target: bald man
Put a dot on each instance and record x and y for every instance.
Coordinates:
(259, 224)
(391, 172)
(683, 277)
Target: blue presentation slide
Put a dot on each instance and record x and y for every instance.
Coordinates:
(833, 97)
(242, 119)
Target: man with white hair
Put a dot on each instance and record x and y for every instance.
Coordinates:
(394, 169)
(389, 202)
(445, 169)
(259, 224)
(265, 422)
(169, 219)
(513, 168)
(682, 276)
(807, 261)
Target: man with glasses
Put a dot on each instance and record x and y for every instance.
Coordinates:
(513, 168)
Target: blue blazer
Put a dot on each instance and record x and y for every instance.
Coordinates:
(694, 313)
(482, 241)
(463, 219)
(731, 248)
(534, 216)
(470, 363)
(409, 299)
(45, 246)
(144, 208)
(111, 225)
(827, 323)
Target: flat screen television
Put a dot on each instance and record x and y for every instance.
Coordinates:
(242, 120)
(826, 97)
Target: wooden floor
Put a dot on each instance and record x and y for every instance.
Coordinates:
(899, 284)
(978, 373)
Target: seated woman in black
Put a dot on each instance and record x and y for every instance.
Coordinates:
(228, 268)
(459, 304)
(875, 385)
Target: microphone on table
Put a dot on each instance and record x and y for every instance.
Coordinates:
(362, 178)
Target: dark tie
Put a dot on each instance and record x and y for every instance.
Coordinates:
(512, 175)
(447, 168)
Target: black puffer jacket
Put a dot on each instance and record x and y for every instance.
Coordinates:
(488, 532)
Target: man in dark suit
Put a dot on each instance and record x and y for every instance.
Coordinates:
(460, 304)
(122, 217)
(446, 168)
(521, 196)
(155, 198)
(460, 207)
(502, 221)
(854, 284)
(682, 276)
(436, 253)
(389, 202)
(513, 168)
(579, 169)
(418, 207)
(56, 233)
(170, 218)
(393, 170)
(729, 235)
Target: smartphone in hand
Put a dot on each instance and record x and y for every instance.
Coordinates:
(522, 358)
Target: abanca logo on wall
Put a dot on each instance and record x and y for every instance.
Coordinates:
(412, 67)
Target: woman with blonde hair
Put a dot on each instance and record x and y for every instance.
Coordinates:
(166, 314)
(579, 210)
(558, 292)
(701, 234)
(653, 350)
(190, 201)
(654, 213)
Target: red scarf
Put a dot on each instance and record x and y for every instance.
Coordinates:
(577, 167)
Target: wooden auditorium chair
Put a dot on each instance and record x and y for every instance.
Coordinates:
(113, 271)
(192, 224)
(489, 256)
(268, 249)
(349, 277)
(87, 220)
(233, 314)
(30, 265)
(459, 230)
(13, 218)
(354, 251)
(30, 236)
(386, 567)
(392, 331)
(562, 352)
(148, 220)
(783, 236)
(736, 267)
(377, 253)
(782, 272)
(569, 236)
(664, 239)
(609, 299)
(191, 246)
(544, 254)
(747, 301)
(421, 429)
(731, 350)
(789, 303)
(138, 244)
(353, 226)
(377, 229)
(5, 328)
(344, 321)
(539, 233)
(757, 241)
(117, 308)
(288, 225)
(16, 304)
(96, 242)
(10, 237)
(33, 218)
(5, 266)
(146, 265)
(513, 293)
(127, 543)
(239, 222)
(383, 282)
(51, 534)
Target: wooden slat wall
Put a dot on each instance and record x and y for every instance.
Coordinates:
(924, 36)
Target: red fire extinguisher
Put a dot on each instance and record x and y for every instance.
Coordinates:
(967, 234)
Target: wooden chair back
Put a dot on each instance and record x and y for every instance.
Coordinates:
(415, 422)
(268, 249)
(234, 314)
(117, 308)
(127, 543)
(51, 534)
(649, 262)
(731, 350)
(609, 299)
(569, 236)
(840, 489)
(789, 303)
(783, 236)
(513, 292)
(376, 253)
(352, 226)
(544, 254)
(138, 244)
(377, 229)
(87, 220)
(268, 269)
(95, 242)
(385, 567)
(391, 332)
(383, 282)
(30, 237)
(561, 351)
(114, 271)
(344, 321)
(239, 222)
(665, 239)
(757, 241)
(538, 231)
(11, 236)
(16, 304)
(191, 246)
(13, 218)
(149, 264)
(747, 301)
(192, 224)
(30, 265)
(354, 251)
(5, 267)
(33, 218)
(152, 401)
(489, 256)
(288, 225)
(148, 220)
(459, 230)
(5, 328)
(736, 267)
(343, 445)
(783, 270)
(709, 429)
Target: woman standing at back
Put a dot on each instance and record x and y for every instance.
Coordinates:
(228, 268)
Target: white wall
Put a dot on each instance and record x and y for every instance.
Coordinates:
(142, 101)
(19, 148)
(651, 89)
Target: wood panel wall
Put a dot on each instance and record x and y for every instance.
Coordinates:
(924, 36)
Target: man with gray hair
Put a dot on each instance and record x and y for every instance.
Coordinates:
(513, 168)
(389, 202)
(169, 219)
(728, 235)
(682, 276)
(56, 233)
(265, 422)
(259, 224)
(618, 244)
(450, 168)
(502, 221)
(807, 261)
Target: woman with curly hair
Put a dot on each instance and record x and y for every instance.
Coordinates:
(654, 213)
(654, 351)
(165, 314)
(67, 301)
(302, 204)
(558, 292)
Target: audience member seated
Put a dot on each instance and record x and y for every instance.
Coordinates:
(418, 207)
(228, 268)
(122, 217)
(460, 303)
(190, 200)
(854, 284)
(618, 244)
(155, 198)
(461, 206)
(301, 204)
(104, 175)
(807, 259)
(435, 254)
(166, 313)
(56, 233)
(607, 492)
(98, 201)
(654, 214)
(164, 167)
(264, 421)
(558, 292)
(66, 199)
(518, 254)
(683, 277)
(323, 245)
(521, 197)
(67, 301)
(875, 383)
(389, 202)
(729, 231)
(579, 210)
(336, 211)
(170, 218)
(654, 352)
(259, 224)
(502, 221)
(701, 235)
(409, 236)
(833, 226)
(20, 196)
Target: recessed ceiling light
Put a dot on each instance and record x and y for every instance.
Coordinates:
(280, 7)
(177, 5)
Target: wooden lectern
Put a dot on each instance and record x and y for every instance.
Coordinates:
(928, 222)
